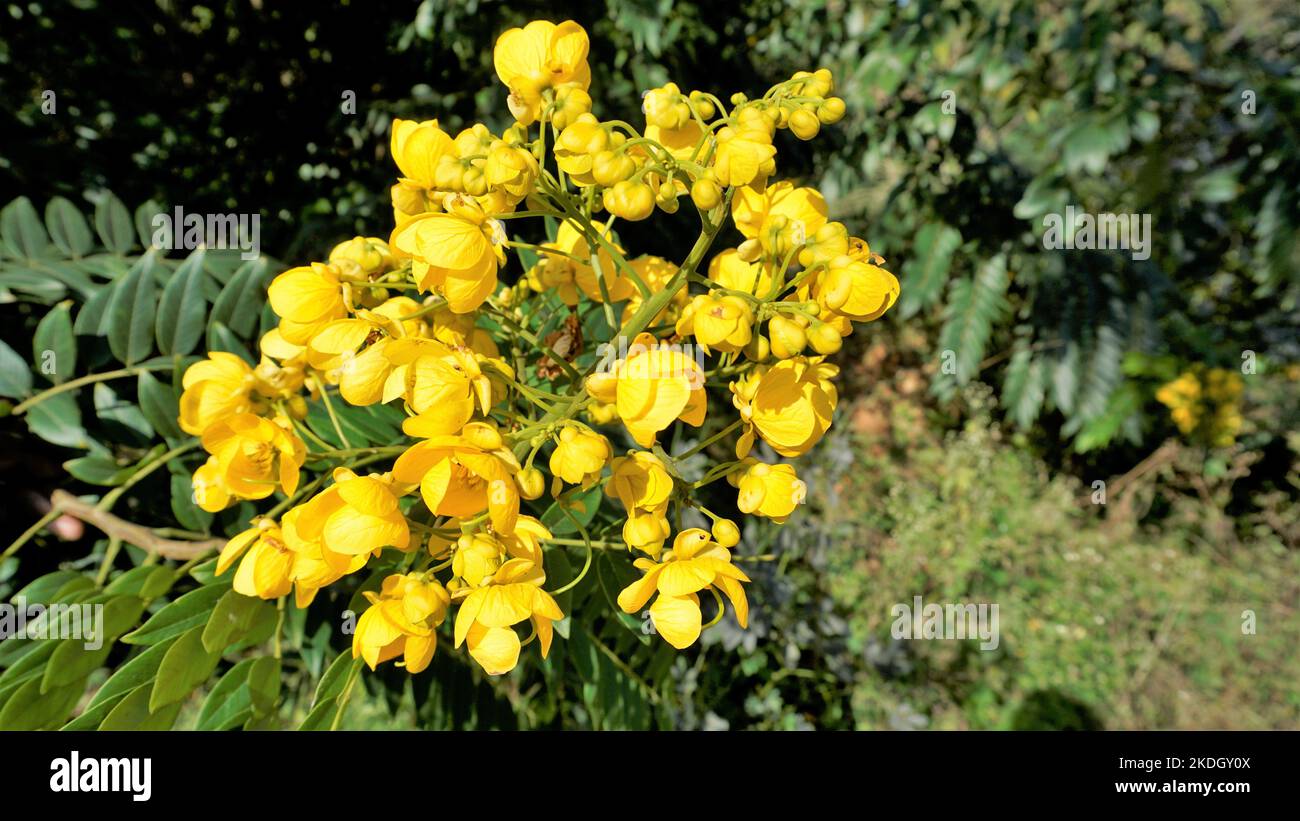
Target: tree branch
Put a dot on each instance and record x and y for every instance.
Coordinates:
(138, 535)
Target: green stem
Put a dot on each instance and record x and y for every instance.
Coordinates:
(73, 384)
(329, 408)
(702, 445)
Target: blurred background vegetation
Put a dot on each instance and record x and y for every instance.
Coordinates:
(969, 120)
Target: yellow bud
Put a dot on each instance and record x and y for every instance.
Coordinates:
(703, 106)
(298, 407)
(804, 124)
(629, 200)
(571, 102)
(609, 168)
(823, 83)
(824, 339)
(788, 337)
(706, 194)
(758, 349)
(726, 533)
(831, 110)
(532, 484)
(749, 250)
(666, 198)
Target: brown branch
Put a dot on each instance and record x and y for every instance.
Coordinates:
(131, 533)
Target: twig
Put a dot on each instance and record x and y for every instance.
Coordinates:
(138, 535)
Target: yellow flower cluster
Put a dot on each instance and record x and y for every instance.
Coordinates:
(421, 321)
(1204, 404)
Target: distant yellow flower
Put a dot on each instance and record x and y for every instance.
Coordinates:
(656, 273)
(250, 458)
(402, 621)
(487, 615)
(216, 388)
(537, 57)
(774, 491)
(789, 404)
(567, 268)
(580, 456)
(694, 563)
(455, 253)
(462, 476)
(651, 388)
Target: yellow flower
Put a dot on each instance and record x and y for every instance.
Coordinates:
(647, 530)
(306, 299)
(250, 457)
(665, 107)
(680, 142)
(580, 456)
(216, 388)
(479, 556)
(462, 476)
(402, 620)
(440, 383)
(511, 168)
(735, 274)
(578, 145)
(567, 268)
(417, 149)
(455, 253)
(539, 56)
(745, 154)
(314, 565)
(355, 516)
(655, 272)
(718, 321)
(651, 388)
(773, 491)
(695, 563)
(781, 217)
(856, 289)
(789, 404)
(266, 569)
(487, 615)
(642, 483)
